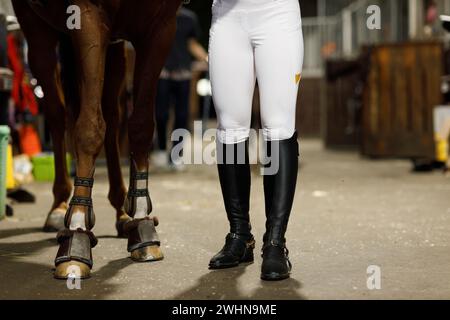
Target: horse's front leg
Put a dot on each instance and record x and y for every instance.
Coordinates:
(151, 52)
(113, 113)
(76, 241)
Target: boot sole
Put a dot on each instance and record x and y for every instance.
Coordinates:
(228, 266)
(248, 259)
(275, 277)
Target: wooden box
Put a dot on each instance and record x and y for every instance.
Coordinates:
(403, 87)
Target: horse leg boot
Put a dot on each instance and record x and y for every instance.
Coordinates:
(235, 181)
(74, 257)
(279, 191)
(143, 240)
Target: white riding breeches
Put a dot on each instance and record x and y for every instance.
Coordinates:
(255, 40)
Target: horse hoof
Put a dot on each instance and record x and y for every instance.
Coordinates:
(55, 220)
(72, 269)
(120, 223)
(147, 254)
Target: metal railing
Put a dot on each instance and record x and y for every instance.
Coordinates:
(322, 38)
(343, 34)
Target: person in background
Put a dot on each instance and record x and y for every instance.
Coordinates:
(175, 83)
(431, 19)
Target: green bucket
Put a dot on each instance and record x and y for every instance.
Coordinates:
(4, 138)
(44, 166)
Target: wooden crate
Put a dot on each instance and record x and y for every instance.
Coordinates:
(403, 87)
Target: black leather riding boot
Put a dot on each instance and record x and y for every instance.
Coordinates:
(279, 191)
(234, 174)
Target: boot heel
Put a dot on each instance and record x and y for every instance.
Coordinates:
(276, 265)
(248, 256)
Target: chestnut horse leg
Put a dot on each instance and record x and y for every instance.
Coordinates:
(90, 42)
(113, 114)
(151, 52)
(42, 42)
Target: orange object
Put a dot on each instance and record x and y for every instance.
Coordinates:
(22, 93)
(29, 140)
(328, 49)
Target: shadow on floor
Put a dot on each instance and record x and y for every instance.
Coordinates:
(27, 279)
(18, 232)
(223, 285)
(23, 279)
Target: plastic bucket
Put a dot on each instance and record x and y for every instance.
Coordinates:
(44, 166)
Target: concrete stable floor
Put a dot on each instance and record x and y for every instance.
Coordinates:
(349, 213)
